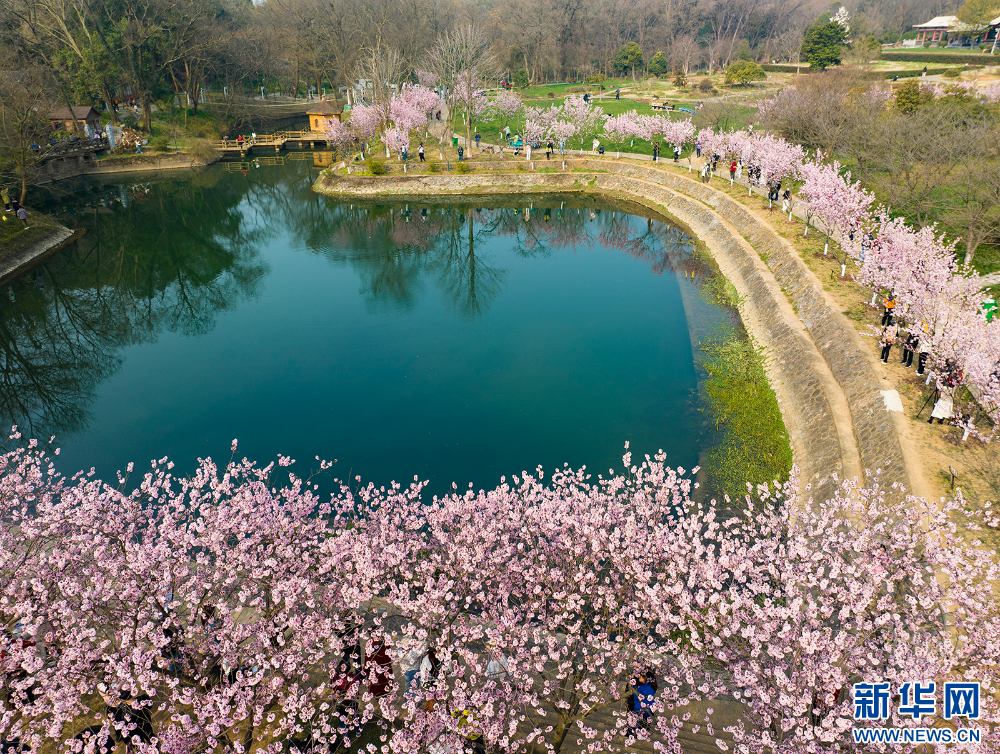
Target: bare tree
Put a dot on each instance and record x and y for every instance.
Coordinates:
(23, 124)
(380, 72)
(463, 58)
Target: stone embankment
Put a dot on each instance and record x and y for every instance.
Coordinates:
(70, 168)
(824, 381)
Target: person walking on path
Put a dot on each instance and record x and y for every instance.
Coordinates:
(656, 151)
(5, 195)
(705, 172)
(596, 144)
(890, 307)
(786, 201)
(888, 338)
(420, 151)
(697, 147)
(677, 154)
(618, 93)
(22, 215)
(732, 171)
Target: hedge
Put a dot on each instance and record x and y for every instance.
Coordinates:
(941, 57)
(911, 74)
(788, 68)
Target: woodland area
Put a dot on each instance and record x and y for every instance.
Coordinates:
(97, 51)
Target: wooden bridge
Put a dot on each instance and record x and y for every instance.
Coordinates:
(280, 140)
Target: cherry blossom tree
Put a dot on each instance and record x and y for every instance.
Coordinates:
(842, 207)
(244, 611)
(587, 119)
(427, 78)
(364, 123)
(505, 108)
(618, 129)
(397, 139)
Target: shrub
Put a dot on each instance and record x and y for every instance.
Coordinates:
(576, 90)
(705, 84)
(952, 73)
(551, 95)
(435, 167)
(201, 149)
(463, 167)
(376, 166)
(160, 143)
(742, 72)
(520, 78)
(680, 78)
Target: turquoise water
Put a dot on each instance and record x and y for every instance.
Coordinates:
(452, 342)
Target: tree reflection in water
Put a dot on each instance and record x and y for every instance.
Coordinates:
(155, 258)
(169, 256)
(395, 250)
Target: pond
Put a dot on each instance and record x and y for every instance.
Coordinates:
(452, 341)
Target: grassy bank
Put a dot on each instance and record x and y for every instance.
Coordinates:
(753, 445)
(14, 239)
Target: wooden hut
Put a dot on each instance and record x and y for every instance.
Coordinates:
(322, 114)
(62, 119)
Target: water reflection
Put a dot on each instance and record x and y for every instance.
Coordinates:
(169, 255)
(155, 258)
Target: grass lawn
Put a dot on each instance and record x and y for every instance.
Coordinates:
(14, 239)
(489, 129)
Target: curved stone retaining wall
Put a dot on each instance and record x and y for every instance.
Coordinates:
(817, 371)
(877, 442)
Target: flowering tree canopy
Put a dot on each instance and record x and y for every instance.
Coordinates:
(239, 610)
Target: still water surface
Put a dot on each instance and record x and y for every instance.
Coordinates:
(454, 342)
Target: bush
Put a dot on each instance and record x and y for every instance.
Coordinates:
(680, 78)
(376, 166)
(435, 167)
(520, 78)
(952, 73)
(160, 143)
(551, 95)
(201, 149)
(705, 85)
(742, 72)
(463, 167)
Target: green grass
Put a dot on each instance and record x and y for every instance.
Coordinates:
(14, 238)
(754, 445)
(489, 128)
